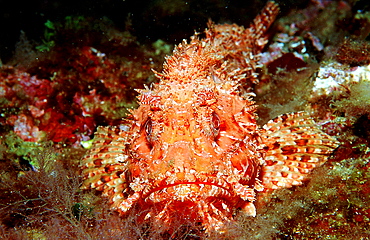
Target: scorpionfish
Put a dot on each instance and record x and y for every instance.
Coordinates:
(193, 149)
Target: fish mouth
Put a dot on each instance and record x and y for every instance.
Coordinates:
(189, 190)
(208, 200)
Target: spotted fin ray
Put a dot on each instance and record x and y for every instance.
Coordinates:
(105, 165)
(294, 146)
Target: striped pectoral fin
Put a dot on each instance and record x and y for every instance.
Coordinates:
(104, 167)
(294, 146)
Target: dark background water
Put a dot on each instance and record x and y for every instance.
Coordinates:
(168, 20)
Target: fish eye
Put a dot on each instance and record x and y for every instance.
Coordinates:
(148, 130)
(215, 124)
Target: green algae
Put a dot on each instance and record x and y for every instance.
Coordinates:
(358, 102)
(161, 47)
(30, 151)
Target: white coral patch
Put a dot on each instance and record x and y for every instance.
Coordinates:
(335, 77)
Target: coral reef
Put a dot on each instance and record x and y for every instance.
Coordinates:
(85, 70)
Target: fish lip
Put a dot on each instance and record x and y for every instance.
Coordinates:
(185, 183)
(222, 188)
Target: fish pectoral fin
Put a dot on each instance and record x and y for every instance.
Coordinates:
(295, 145)
(104, 167)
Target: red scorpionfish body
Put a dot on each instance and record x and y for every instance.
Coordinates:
(192, 149)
